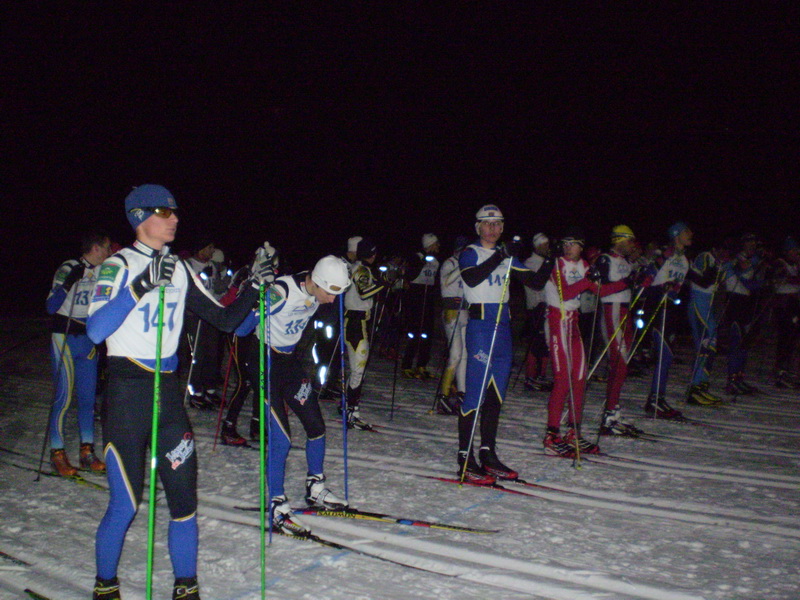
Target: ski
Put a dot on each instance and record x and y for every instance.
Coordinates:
(13, 560)
(313, 537)
(366, 427)
(324, 541)
(493, 486)
(80, 480)
(35, 595)
(354, 513)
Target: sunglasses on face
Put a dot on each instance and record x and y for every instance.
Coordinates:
(164, 212)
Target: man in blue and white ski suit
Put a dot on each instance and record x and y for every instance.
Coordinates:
(68, 302)
(125, 313)
(291, 302)
(485, 266)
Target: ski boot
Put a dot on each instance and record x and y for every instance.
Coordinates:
(612, 424)
(354, 420)
(60, 462)
(574, 437)
(536, 384)
(493, 466)
(89, 460)
(318, 495)
(554, 444)
(186, 588)
(660, 409)
(410, 374)
(423, 373)
(700, 396)
(106, 589)
(474, 473)
(200, 402)
(229, 436)
(284, 520)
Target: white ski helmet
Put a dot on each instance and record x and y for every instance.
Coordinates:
(488, 212)
(428, 240)
(331, 274)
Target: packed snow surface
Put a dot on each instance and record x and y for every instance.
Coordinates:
(710, 510)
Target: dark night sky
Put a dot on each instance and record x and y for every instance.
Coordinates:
(306, 123)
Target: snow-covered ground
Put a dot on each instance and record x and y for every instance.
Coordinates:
(709, 511)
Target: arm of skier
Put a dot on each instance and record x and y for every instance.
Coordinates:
(112, 300)
(608, 287)
(572, 290)
(702, 273)
(275, 299)
(472, 273)
(533, 279)
(225, 318)
(59, 289)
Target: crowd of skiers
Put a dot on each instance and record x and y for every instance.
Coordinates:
(588, 313)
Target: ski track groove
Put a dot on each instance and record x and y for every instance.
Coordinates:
(736, 476)
(508, 573)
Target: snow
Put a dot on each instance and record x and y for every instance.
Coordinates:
(707, 512)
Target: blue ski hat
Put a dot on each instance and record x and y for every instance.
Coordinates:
(676, 229)
(144, 197)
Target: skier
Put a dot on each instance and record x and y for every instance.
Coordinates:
(73, 355)
(292, 302)
(569, 278)
(421, 275)
(484, 266)
(326, 338)
(454, 318)
(203, 338)
(787, 312)
(359, 302)
(703, 279)
(668, 272)
(538, 354)
(616, 281)
(742, 281)
(124, 312)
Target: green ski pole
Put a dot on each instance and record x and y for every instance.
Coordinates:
(151, 511)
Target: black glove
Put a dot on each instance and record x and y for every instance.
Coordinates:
(593, 274)
(548, 265)
(514, 247)
(263, 268)
(158, 273)
(75, 274)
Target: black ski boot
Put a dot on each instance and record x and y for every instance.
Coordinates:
(474, 473)
(106, 589)
(492, 465)
(185, 588)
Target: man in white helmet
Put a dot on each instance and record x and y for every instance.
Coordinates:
(484, 266)
(291, 302)
(421, 277)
